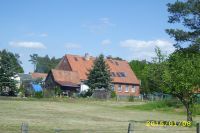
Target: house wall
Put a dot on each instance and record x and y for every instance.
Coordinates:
(123, 92)
(84, 87)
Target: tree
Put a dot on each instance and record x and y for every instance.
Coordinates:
(43, 64)
(182, 78)
(99, 76)
(139, 68)
(34, 60)
(150, 73)
(114, 58)
(9, 67)
(186, 13)
(155, 70)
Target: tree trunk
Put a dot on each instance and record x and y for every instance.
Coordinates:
(189, 112)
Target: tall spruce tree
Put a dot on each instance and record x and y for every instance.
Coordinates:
(99, 76)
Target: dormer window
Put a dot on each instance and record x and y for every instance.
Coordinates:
(75, 58)
(116, 63)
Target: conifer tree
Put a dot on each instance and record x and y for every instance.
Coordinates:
(99, 76)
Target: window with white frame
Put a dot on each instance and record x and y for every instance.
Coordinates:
(126, 90)
(119, 88)
(133, 88)
(113, 87)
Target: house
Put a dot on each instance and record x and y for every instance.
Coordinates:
(125, 82)
(36, 76)
(21, 78)
(67, 81)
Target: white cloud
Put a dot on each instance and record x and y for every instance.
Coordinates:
(106, 42)
(33, 34)
(99, 26)
(26, 44)
(146, 49)
(71, 45)
(43, 34)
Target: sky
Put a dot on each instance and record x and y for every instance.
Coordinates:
(130, 29)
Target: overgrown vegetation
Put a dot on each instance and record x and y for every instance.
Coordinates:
(170, 106)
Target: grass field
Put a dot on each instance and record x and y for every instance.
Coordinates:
(81, 116)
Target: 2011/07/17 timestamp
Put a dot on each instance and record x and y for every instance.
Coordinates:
(152, 123)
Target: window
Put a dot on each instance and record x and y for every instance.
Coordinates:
(119, 88)
(116, 63)
(113, 87)
(126, 88)
(118, 74)
(64, 61)
(113, 74)
(133, 88)
(122, 74)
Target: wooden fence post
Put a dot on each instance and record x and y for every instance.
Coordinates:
(198, 128)
(130, 128)
(24, 128)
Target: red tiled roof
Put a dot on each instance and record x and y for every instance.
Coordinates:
(66, 78)
(38, 75)
(82, 65)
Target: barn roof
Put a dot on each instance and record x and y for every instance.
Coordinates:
(66, 78)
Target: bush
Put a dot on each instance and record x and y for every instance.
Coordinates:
(87, 93)
(131, 98)
(113, 94)
(38, 94)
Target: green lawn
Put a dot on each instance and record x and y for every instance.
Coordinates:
(80, 116)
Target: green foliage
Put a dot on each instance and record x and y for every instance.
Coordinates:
(49, 93)
(58, 91)
(155, 70)
(114, 58)
(131, 98)
(182, 78)
(139, 68)
(21, 91)
(99, 76)
(186, 13)
(9, 67)
(85, 94)
(43, 64)
(113, 94)
(38, 94)
(157, 105)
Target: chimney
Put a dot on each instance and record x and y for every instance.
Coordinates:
(87, 56)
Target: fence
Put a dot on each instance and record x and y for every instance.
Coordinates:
(132, 128)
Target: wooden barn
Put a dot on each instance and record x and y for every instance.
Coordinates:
(67, 81)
